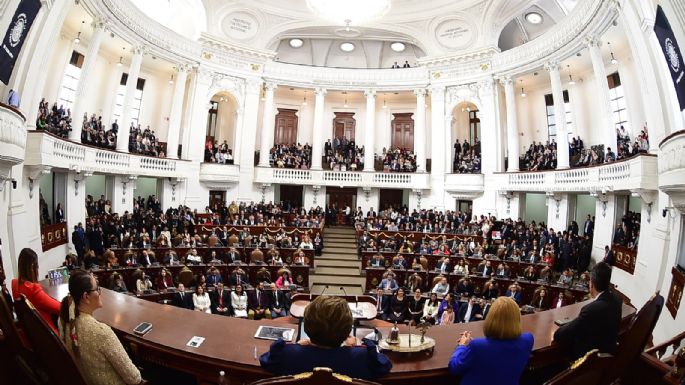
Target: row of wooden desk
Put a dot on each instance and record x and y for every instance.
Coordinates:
(230, 345)
(374, 277)
(515, 268)
(255, 273)
(205, 252)
(416, 236)
(207, 228)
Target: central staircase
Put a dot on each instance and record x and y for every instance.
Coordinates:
(339, 265)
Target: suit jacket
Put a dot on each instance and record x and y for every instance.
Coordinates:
(185, 301)
(384, 304)
(263, 301)
(475, 310)
(596, 327)
(236, 279)
(473, 363)
(280, 296)
(225, 300)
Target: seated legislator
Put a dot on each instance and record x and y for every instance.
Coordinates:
(382, 304)
(143, 284)
(441, 288)
(470, 311)
(284, 280)
(597, 325)
(239, 302)
(201, 300)
(415, 307)
(164, 281)
(182, 299)
(221, 300)
(277, 302)
(116, 283)
(238, 278)
(504, 344)
(27, 284)
(430, 309)
(96, 349)
(388, 283)
(259, 303)
(328, 323)
(399, 303)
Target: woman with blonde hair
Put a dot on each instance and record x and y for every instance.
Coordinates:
(504, 343)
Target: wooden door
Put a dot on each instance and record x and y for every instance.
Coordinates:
(217, 196)
(292, 194)
(341, 197)
(390, 197)
(344, 124)
(402, 131)
(286, 126)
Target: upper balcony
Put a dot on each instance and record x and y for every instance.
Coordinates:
(637, 173)
(342, 178)
(12, 137)
(217, 176)
(49, 150)
(672, 167)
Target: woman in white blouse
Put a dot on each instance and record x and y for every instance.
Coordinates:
(201, 300)
(306, 243)
(239, 302)
(430, 309)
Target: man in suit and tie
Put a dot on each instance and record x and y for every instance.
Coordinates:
(238, 277)
(220, 300)
(485, 307)
(233, 256)
(382, 304)
(608, 256)
(588, 227)
(259, 303)
(469, 311)
(597, 325)
(146, 259)
(278, 302)
(485, 270)
(443, 266)
(182, 299)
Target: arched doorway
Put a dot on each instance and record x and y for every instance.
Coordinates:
(465, 127)
(221, 128)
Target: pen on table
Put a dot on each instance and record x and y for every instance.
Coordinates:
(255, 352)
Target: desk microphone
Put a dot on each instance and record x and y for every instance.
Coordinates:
(356, 304)
(324, 290)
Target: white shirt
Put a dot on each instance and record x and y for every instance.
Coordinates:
(201, 302)
(467, 316)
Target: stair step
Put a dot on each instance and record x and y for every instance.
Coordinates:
(337, 257)
(351, 290)
(341, 244)
(336, 280)
(336, 263)
(340, 250)
(332, 230)
(344, 271)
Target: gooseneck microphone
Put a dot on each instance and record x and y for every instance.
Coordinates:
(356, 304)
(324, 290)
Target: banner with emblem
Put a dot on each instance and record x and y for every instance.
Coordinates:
(16, 34)
(672, 53)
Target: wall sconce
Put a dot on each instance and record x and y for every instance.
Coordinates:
(508, 195)
(316, 192)
(419, 194)
(367, 192)
(264, 187)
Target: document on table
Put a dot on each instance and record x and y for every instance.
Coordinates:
(195, 342)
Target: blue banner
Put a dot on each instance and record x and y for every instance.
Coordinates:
(16, 35)
(672, 54)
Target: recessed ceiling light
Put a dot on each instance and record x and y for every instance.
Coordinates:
(296, 43)
(534, 17)
(347, 47)
(398, 46)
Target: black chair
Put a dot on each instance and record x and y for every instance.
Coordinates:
(23, 358)
(52, 356)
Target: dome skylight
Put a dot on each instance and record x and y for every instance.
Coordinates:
(347, 47)
(534, 17)
(398, 46)
(296, 43)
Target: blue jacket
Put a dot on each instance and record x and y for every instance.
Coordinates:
(357, 362)
(473, 363)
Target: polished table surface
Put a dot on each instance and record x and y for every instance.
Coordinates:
(230, 344)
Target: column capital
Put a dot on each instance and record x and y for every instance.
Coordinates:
(320, 91)
(592, 41)
(139, 49)
(506, 80)
(254, 84)
(100, 22)
(436, 90)
(551, 66)
(370, 93)
(420, 92)
(184, 67)
(270, 86)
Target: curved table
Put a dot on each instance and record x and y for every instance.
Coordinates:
(230, 345)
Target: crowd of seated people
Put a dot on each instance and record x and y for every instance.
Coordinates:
(627, 233)
(218, 153)
(144, 142)
(342, 154)
(541, 156)
(467, 157)
(398, 160)
(55, 120)
(639, 146)
(95, 133)
(291, 156)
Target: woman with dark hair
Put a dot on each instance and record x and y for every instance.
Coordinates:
(95, 347)
(239, 302)
(284, 281)
(399, 303)
(27, 284)
(328, 323)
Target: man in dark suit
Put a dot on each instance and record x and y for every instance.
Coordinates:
(78, 238)
(485, 270)
(382, 304)
(608, 256)
(233, 256)
(221, 300)
(259, 303)
(588, 227)
(597, 325)
(278, 302)
(237, 277)
(469, 311)
(182, 299)
(146, 259)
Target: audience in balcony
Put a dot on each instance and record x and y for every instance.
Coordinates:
(639, 146)
(627, 233)
(94, 133)
(218, 153)
(342, 154)
(398, 160)
(55, 120)
(144, 142)
(541, 156)
(467, 157)
(98, 207)
(291, 156)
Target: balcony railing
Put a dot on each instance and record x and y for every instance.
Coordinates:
(464, 183)
(219, 176)
(46, 149)
(342, 178)
(672, 163)
(638, 173)
(12, 135)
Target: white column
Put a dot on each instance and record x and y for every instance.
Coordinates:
(420, 130)
(268, 124)
(176, 111)
(604, 109)
(512, 125)
(246, 188)
(131, 83)
(369, 130)
(85, 83)
(559, 115)
(317, 133)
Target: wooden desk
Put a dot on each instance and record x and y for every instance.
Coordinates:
(365, 303)
(229, 344)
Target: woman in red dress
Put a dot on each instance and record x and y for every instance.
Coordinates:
(27, 284)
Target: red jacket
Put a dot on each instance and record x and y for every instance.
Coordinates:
(45, 304)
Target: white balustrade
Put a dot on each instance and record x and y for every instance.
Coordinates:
(672, 167)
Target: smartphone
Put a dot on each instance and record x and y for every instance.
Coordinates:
(562, 322)
(142, 328)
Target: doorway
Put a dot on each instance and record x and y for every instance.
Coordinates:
(286, 126)
(403, 131)
(344, 124)
(290, 195)
(464, 205)
(339, 198)
(217, 197)
(390, 197)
